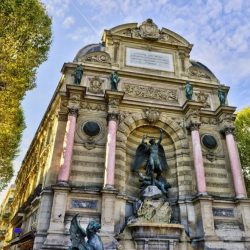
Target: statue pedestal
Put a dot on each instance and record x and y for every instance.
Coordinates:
(156, 236)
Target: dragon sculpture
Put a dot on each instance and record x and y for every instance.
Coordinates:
(78, 234)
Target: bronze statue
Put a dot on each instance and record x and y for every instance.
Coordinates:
(154, 156)
(114, 78)
(78, 234)
(222, 96)
(78, 74)
(189, 90)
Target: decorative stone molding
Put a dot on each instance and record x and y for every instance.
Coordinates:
(209, 120)
(152, 115)
(166, 95)
(93, 106)
(95, 85)
(194, 126)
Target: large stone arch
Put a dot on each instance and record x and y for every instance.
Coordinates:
(185, 175)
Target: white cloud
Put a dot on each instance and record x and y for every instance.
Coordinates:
(68, 22)
(57, 8)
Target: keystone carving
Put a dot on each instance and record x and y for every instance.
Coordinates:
(152, 115)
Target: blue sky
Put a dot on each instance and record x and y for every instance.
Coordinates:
(219, 30)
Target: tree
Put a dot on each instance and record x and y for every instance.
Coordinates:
(242, 124)
(25, 38)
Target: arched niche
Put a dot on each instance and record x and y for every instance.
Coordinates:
(132, 183)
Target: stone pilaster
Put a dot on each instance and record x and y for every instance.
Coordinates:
(56, 234)
(43, 219)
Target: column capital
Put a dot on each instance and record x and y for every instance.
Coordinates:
(113, 116)
(73, 111)
(229, 130)
(194, 126)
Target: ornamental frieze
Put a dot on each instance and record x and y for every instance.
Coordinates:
(166, 95)
(93, 106)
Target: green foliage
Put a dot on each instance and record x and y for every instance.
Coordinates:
(25, 38)
(242, 124)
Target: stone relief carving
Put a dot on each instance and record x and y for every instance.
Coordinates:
(99, 57)
(167, 95)
(152, 115)
(95, 85)
(193, 71)
(93, 106)
(203, 98)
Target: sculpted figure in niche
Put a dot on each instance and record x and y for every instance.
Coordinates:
(114, 80)
(78, 74)
(152, 157)
(222, 96)
(189, 90)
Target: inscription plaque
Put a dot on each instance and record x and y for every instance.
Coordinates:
(224, 212)
(149, 59)
(91, 204)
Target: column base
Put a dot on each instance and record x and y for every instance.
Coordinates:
(201, 194)
(240, 197)
(62, 183)
(109, 187)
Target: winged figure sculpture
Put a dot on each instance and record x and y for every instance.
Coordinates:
(78, 234)
(152, 157)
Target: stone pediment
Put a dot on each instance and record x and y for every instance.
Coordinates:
(148, 30)
(95, 57)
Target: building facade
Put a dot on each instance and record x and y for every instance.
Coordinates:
(80, 158)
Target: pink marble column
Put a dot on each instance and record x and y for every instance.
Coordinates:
(109, 178)
(239, 185)
(65, 165)
(198, 160)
